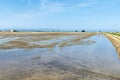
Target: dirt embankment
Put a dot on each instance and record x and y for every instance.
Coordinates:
(115, 41)
(43, 33)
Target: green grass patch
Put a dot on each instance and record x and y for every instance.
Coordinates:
(115, 33)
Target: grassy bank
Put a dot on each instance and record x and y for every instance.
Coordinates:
(115, 33)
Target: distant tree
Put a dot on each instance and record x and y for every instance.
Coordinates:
(83, 30)
(76, 31)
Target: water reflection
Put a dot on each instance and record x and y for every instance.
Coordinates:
(99, 56)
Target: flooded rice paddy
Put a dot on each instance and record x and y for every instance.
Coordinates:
(83, 56)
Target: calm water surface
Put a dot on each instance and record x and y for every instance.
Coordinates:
(100, 56)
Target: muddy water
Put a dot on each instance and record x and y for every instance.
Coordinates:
(99, 56)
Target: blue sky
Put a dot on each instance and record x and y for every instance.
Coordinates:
(60, 14)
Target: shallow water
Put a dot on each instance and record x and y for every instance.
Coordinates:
(6, 39)
(50, 41)
(99, 57)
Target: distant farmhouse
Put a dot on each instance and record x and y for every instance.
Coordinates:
(12, 30)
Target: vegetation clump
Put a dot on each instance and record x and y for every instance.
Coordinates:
(115, 33)
(83, 30)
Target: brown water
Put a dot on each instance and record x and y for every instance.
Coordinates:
(95, 54)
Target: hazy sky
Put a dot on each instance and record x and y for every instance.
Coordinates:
(60, 14)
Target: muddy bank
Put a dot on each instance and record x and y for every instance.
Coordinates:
(39, 40)
(115, 41)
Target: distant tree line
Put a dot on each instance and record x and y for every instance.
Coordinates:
(80, 31)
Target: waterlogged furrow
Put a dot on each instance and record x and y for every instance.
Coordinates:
(40, 41)
(56, 40)
(7, 39)
(79, 40)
